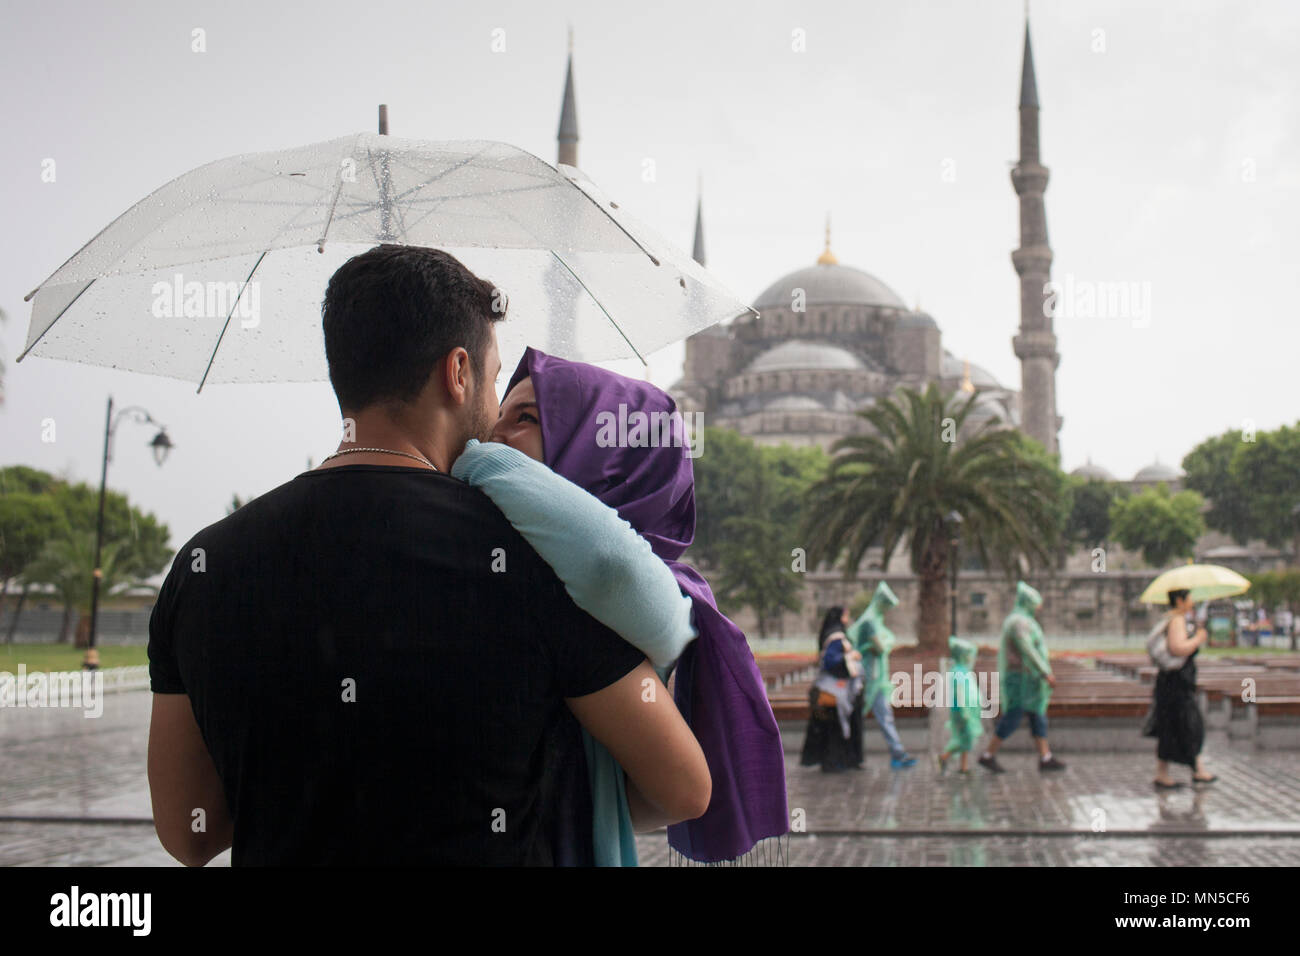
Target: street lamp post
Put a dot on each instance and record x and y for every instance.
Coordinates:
(954, 522)
(161, 445)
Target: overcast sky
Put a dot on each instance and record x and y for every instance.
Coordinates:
(1172, 131)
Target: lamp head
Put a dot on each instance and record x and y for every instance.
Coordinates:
(161, 445)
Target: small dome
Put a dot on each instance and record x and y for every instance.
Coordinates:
(952, 367)
(1091, 472)
(917, 320)
(797, 354)
(829, 284)
(1157, 471)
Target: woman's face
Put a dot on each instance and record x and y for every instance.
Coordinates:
(844, 617)
(1184, 604)
(520, 423)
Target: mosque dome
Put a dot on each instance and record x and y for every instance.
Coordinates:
(829, 283)
(798, 354)
(1091, 472)
(795, 403)
(1157, 471)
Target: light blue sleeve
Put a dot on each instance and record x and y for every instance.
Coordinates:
(608, 569)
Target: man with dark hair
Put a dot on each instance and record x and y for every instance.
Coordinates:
(368, 664)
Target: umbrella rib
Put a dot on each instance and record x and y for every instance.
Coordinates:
(55, 319)
(329, 220)
(439, 200)
(338, 190)
(617, 328)
(234, 305)
(615, 222)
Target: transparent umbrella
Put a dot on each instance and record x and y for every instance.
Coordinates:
(218, 276)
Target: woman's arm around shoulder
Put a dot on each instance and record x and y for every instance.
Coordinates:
(609, 570)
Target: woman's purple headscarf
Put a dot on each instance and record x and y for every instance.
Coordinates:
(718, 690)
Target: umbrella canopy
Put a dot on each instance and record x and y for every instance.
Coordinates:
(1206, 582)
(218, 276)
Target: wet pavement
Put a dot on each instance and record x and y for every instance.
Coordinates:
(73, 791)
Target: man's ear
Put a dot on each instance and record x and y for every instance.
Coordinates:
(455, 374)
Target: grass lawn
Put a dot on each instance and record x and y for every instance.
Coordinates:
(65, 657)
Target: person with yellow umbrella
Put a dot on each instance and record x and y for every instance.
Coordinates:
(1175, 718)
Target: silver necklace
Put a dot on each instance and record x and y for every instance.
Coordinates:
(381, 451)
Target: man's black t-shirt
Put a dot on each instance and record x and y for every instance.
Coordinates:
(377, 662)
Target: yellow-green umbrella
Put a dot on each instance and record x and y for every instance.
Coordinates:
(1206, 582)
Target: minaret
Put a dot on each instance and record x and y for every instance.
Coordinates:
(827, 258)
(698, 252)
(568, 135)
(1035, 346)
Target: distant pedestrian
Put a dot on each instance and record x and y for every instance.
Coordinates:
(1027, 680)
(964, 727)
(875, 640)
(1175, 719)
(834, 736)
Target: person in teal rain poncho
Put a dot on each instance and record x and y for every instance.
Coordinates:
(1027, 680)
(964, 728)
(870, 636)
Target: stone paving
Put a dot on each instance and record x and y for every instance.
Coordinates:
(73, 791)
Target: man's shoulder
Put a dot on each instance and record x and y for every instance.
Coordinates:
(435, 506)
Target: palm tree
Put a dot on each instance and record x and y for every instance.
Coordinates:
(901, 482)
(67, 564)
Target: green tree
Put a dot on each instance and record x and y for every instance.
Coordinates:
(1088, 525)
(27, 523)
(67, 564)
(1159, 525)
(1266, 469)
(726, 454)
(748, 502)
(1250, 484)
(20, 479)
(134, 543)
(898, 485)
(143, 538)
(1207, 470)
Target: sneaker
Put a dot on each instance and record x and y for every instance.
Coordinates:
(902, 763)
(991, 764)
(1051, 763)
